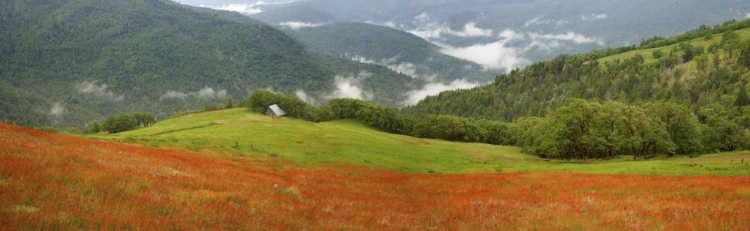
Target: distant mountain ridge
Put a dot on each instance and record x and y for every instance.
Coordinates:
(69, 62)
(550, 27)
(385, 46)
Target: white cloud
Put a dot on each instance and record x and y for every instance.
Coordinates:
(413, 97)
(57, 110)
(270, 89)
(174, 95)
(240, 8)
(404, 68)
(748, 15)
(569, 37)
(93, 88)
(304, 97)
(471, 30)
(393, 64)
(428, 29)
(495, 56)
(544, 45)
(593, 17)
(424, 17)
(299, 25)
(510, 34)
(550, 42)
(99, 90)
(350, 87)
(210, 93)
(539, 20)
(390, 24)
(247, 8)
(534, 21)
(204, 93)
(501, 55)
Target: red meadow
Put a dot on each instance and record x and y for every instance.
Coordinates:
(57, 182)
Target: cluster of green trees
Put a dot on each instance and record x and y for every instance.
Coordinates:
(121, 122)
(583, 130)
(386, 119)
(578, 129)
(372, 114)
(453, 128)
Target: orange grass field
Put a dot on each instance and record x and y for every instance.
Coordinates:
(58, 182)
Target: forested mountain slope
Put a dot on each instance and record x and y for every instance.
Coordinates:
(701, 67)
(399, 50)
(68, 62)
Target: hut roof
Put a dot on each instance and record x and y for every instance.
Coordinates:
(277, 110)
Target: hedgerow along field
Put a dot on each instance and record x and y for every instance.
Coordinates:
(237, 132)
(59, 182)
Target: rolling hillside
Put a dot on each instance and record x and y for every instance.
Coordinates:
(80, 60)
(238, 132)
(654, 136)
(106, 56)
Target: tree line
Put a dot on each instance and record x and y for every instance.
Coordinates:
(121, 122)
(579, 129)
(583, 130)
(451, 128)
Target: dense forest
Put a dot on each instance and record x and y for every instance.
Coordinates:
(68, 62)
(690, 71)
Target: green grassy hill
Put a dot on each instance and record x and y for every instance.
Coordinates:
(237, 132)
(649, 58)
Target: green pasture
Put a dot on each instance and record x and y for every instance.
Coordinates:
(649, 58)
(238, 133)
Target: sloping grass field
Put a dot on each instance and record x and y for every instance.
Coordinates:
(649, 58)
(237, 132)
(59, 182)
